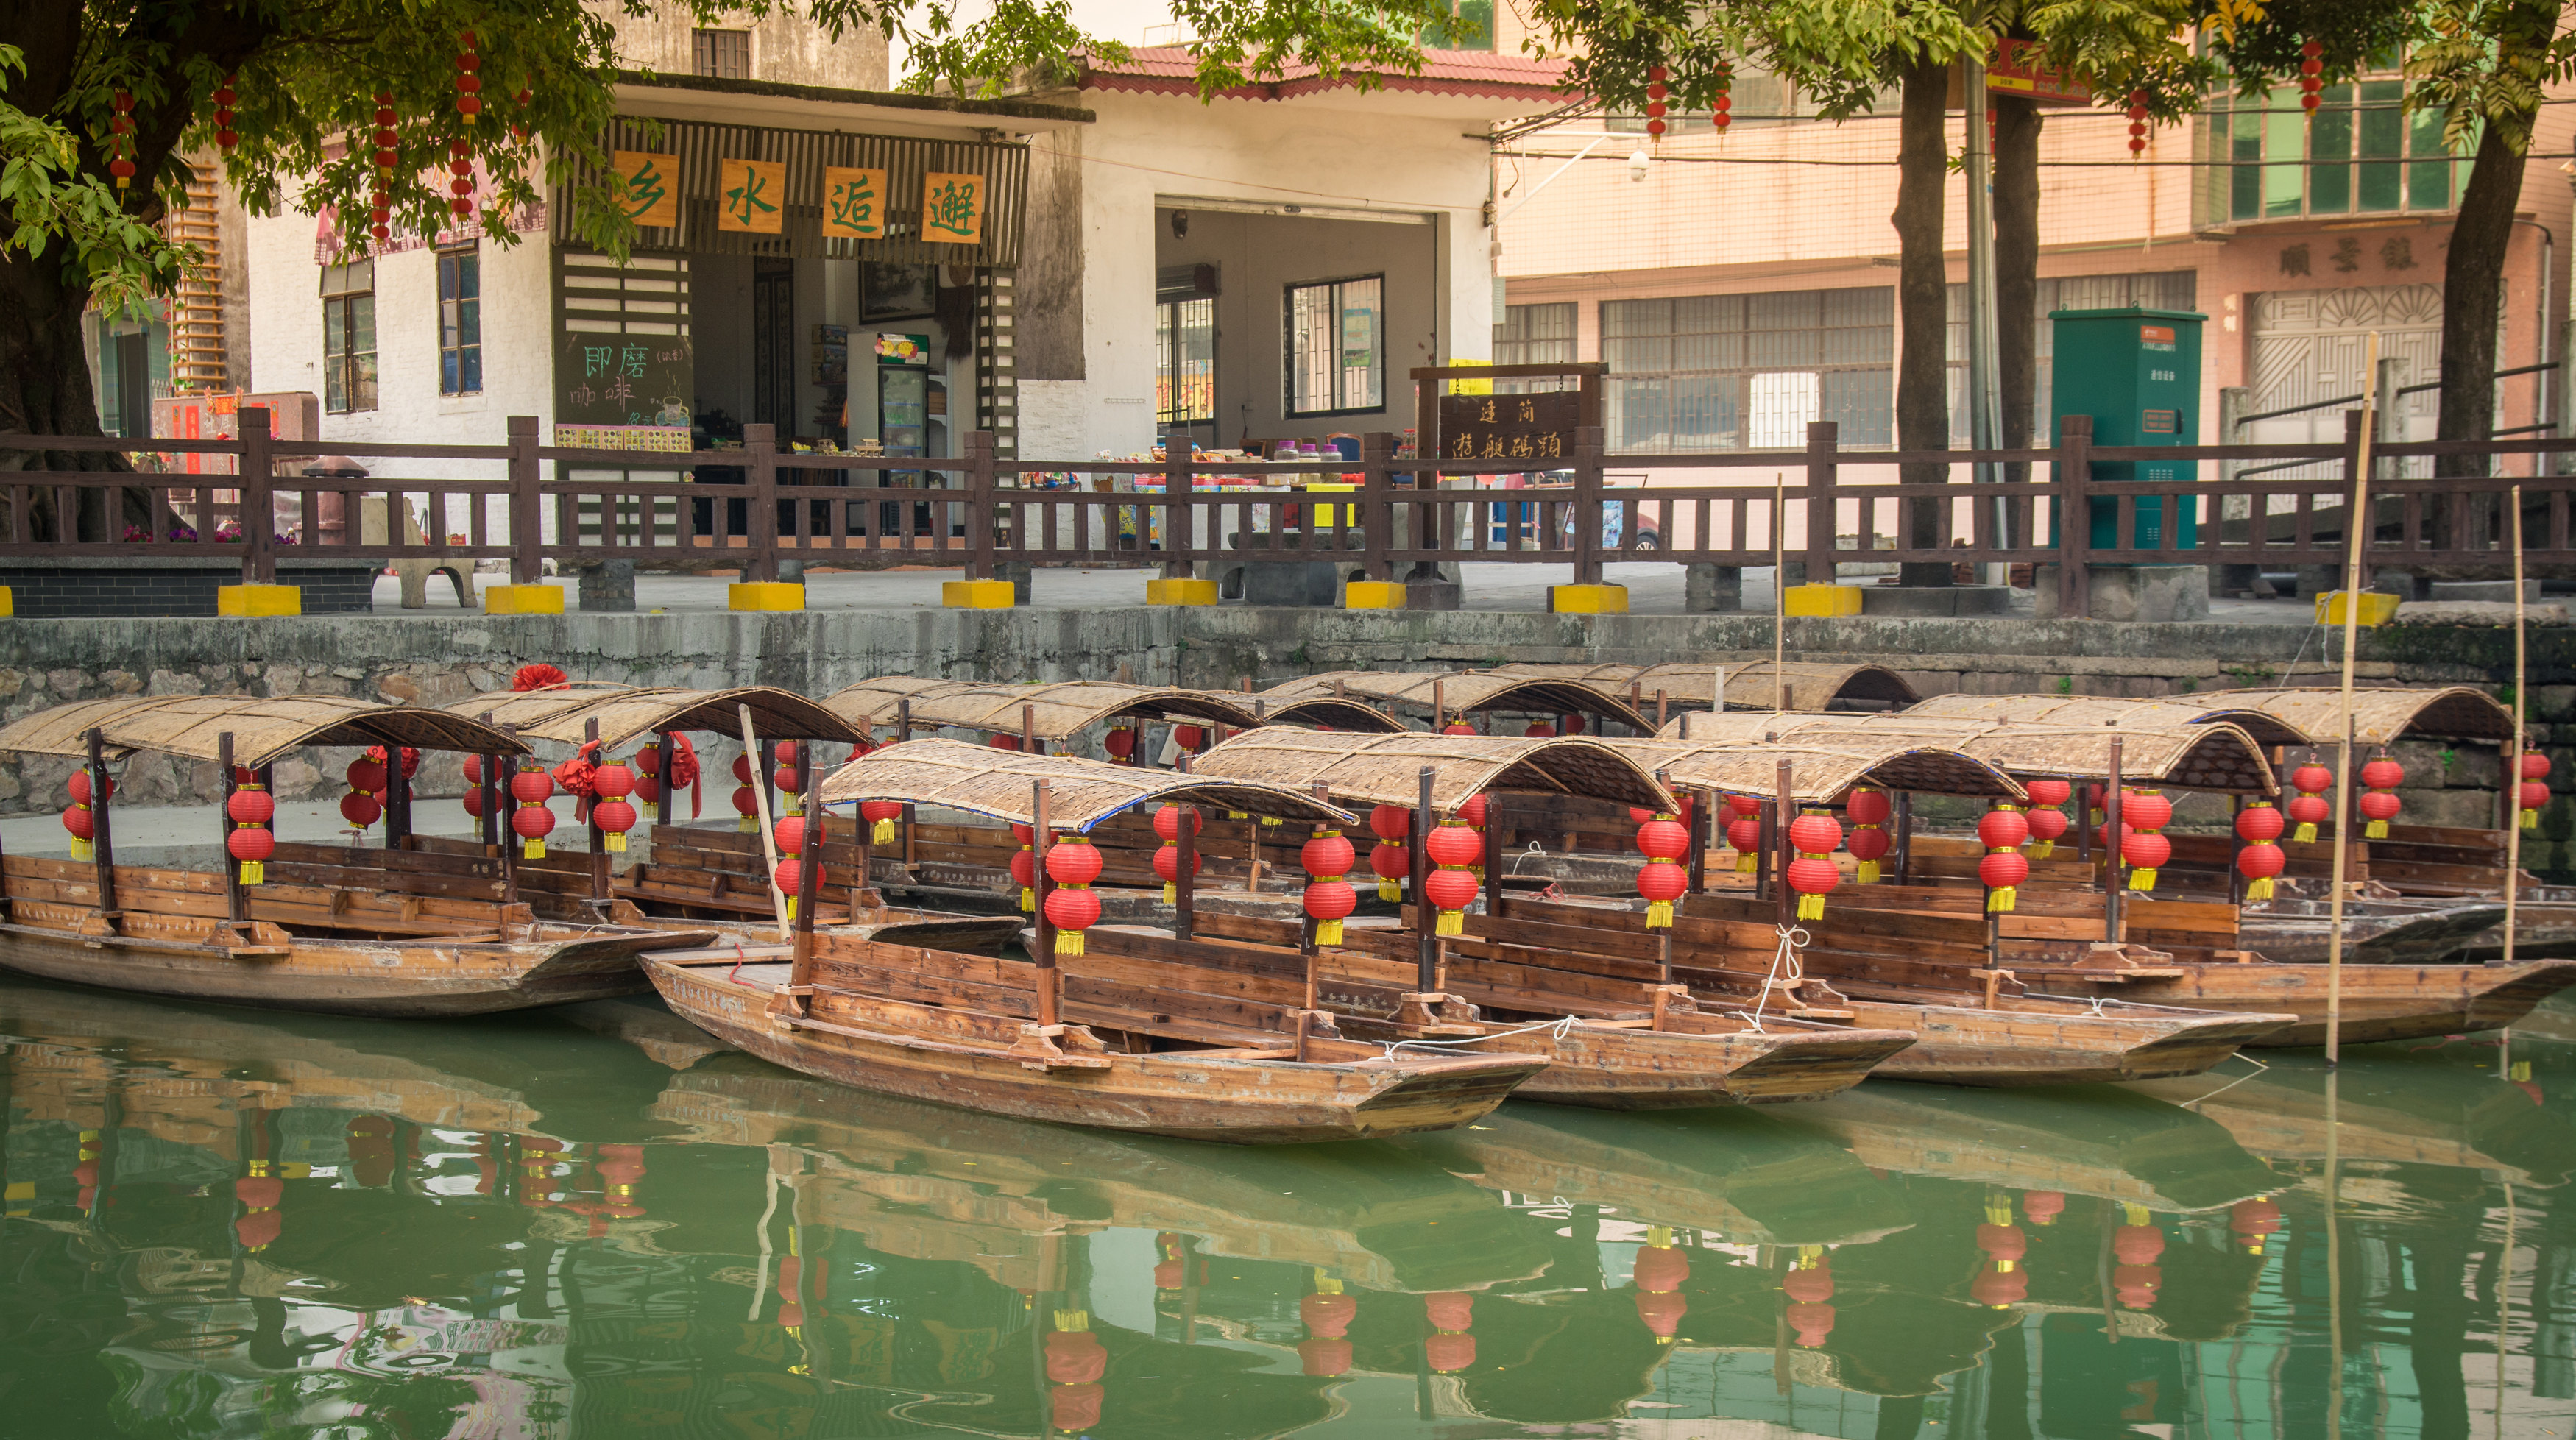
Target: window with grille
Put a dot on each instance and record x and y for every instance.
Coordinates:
(460, 322)
(1534, 335)
(723, 54)
(349, 336)
(1744, 372)
(1337, 346)
(2364, 153)
(1185, 361)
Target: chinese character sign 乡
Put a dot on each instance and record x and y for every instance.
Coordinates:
(1538, 428)
(952, 208)
(652, 187)
(854, 202)
(751, 197)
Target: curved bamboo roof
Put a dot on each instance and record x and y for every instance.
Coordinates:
(1056, 711)
(1330, 712)
(627, 713)
(1821, 770)
(1080, 793)
(1386, 769)
(2214, 755)
(262, 727)
(1462, 690)
(2308, 715)
(1806, 685)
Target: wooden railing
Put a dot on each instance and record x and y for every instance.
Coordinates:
(757, 507)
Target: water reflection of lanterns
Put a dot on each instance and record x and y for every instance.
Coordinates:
(1660, 1270)
(1810, 1288)
(2043, 1206)
(2254, 1221)
(1449, 1348)
(371, 1150)
(621, 1169)
(1327, 1313)
(260, 1193)
(2137, 1245)
(2001, 1281)
(1171, 1271)
(85, 1171)
(1075, 1361)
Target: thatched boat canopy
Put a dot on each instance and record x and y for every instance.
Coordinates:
(1081, 793)
(627, 713)
(1460, 691)
(1327, 712)
(1387, 769)
(2213, 756)
(1804, 685)
(263, 728)
(2311, 715)
(1053, 712)
(1821, 771)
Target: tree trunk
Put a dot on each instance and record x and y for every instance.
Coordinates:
(2017, 125)
(45, 390)
(2472, 299)
(1923, 305)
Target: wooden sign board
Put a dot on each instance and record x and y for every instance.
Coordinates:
(751, 197)
(652, 187)
(854, 202)
(952, 208)
(1538, 428)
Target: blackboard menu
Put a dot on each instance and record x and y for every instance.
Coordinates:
(623, 380)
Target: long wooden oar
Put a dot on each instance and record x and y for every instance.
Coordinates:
(2356, 526)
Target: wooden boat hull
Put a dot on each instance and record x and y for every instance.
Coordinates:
(2054, 1043)
(412, 978)
(1256, 1101)
(1610, 1068)
(2379, 932)
(2379, 1002)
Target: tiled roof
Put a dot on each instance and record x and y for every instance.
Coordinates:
(1171, 69)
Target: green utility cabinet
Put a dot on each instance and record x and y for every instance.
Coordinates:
(2137, 373)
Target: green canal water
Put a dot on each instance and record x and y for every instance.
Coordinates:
(595, 1222)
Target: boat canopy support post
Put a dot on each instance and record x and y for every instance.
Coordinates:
(235, 903)
(102, 842)
(1048, 978)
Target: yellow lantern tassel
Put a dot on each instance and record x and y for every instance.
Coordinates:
(253, 872)
(1452, 922)
(883, 834)
(1865, 872)
(82, 849)
(1659, 914)
(536, 850)
(1387, 890)
(791, 907)
(1237, 815)
(1328, 932)
(1171, 892)
(2042, 849)
(2306, 834)
(2136, 1214)
(748, 825)
(2144, 879)
(2530, 819)
(2375, 830)
(1743, 862)
(617, 840)
(1811, 907)
(1068, 942)
(791, 803)
(1028, 899)
(1270, 820)
(2001, 898)
(1998, 1213)
(2260, 889)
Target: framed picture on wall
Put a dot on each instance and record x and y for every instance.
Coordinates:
(895, 292)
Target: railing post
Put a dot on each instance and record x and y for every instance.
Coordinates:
(1377, 510)
(1824, 440)
(2074, 515)
(527, 504)
(2353, 502)
(1178, 464)
(1587, 504)
(2233, 402)
(760, 450)
(983, 515)
(258, 498)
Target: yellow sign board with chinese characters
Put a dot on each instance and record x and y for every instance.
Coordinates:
(854, 202)
(952, 208)
(652, 187)
(751, 197)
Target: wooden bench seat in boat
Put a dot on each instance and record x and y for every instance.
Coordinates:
(189, 906)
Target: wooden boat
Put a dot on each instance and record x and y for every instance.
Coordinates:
(1615, 1046)
(399, 931)
(1024, 1039)
(1965, 1031)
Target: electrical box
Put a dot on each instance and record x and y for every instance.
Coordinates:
(2137, 373)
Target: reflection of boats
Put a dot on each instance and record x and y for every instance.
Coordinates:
(2392, 1109)
(1745, 1176)
(921, 1179)
(2091, 1140)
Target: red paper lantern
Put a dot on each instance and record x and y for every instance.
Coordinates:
(1392, 824)
(2050, 792)
(880, 815)
(1813, 877)
(1189, 736)
(1472, 810)
(1120, 743)
(2379, 804)
(742, 771)
(614, 818)
(1868, 845)
(360, 809)
(2258, 863)
(1072, 907)
(1451, 843)
(1663, 838)
(1329, 899)
(1539, 730)
(2534, 765)
(1167, 822)
(1868, 807)
(533, 823)
(2531, 797)
(2144, 853)
(2145, 809)
(83, 826)
(1450, 889)
(2003, 828)
(2307, 812)
(1662, 882)
(1748, 805)
(789, 834)
(532, 786)
(2383, 773)
(789, 876)
(1744, 833)
(746, 803)
(2003, 872)
(1815, 833)
(1327, 854)
(1024, 873)
(1457, 727)
(2045, 828)
(251, 808)
(1167, 864)
(78, 785)
(2258, 822)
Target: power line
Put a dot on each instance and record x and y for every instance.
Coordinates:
(2043, 164)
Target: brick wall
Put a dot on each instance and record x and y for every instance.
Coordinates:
(84, 589)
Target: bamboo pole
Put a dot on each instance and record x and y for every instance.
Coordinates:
(1779, 592)
(768, 842)
(2513, 772)
(2356, 524)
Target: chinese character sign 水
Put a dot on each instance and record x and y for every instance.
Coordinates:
(751, 197)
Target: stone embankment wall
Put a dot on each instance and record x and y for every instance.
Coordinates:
(440, 660)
